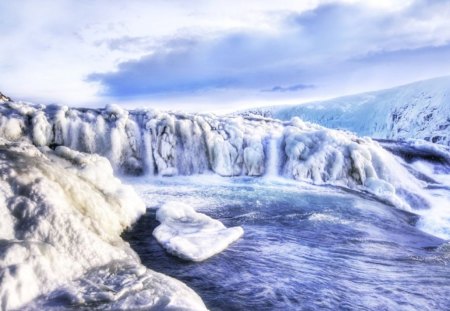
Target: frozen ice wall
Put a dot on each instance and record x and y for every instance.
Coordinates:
(156, 143)
(61, 216)
(146, 142)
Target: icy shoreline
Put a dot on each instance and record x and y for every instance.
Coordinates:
(62, 213)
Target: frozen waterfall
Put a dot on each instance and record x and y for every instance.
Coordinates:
(158, 143)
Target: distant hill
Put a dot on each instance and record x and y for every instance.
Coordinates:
(418, 110)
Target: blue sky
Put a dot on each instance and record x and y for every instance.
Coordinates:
(216, 55)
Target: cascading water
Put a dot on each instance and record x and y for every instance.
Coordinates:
(273, 159)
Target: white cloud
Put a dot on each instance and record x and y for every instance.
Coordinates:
(50, 47)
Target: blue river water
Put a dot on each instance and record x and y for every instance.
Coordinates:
(304, 248)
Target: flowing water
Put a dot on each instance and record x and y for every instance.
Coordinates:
(304, 248)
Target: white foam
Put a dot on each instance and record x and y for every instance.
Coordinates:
(190, 235)
(429, 170)
(436, 220)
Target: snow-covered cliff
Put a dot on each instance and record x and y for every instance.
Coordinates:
(419, 110)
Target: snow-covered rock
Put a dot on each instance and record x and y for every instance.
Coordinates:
(190, 235)
(4, 98)
(419, 110)
(61, 216)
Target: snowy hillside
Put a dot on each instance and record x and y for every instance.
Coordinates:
(419, 110)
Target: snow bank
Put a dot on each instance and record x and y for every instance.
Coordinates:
(61, 216)
(190, 235)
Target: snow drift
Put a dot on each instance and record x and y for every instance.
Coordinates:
(151, 142)
(419, 110)
(61, 216)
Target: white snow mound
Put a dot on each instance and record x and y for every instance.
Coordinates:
(190, 235)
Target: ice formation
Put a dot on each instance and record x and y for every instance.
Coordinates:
(419, 110)
(159, 143)
(190, 235)
(61, 216)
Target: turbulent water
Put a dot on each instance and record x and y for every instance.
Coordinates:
(304, 248)
(331, 220)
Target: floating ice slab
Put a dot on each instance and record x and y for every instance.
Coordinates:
(190, 235)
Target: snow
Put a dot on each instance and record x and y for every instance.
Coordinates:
(11, 128)
(190, 235)
(42, 129)
(419, 110)
(61, 216)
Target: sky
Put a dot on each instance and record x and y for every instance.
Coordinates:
(216, 55)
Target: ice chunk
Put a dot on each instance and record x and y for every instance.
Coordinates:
(190, 235)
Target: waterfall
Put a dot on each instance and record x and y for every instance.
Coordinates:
(273, 157)
(158, 143)
(148, 157)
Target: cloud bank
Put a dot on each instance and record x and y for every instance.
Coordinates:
(169, 50)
